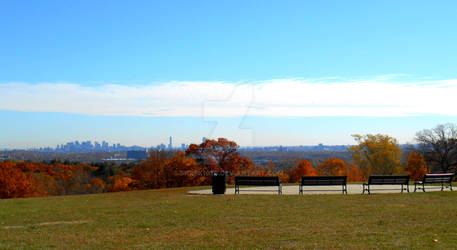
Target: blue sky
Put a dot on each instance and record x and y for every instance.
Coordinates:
(266, 72)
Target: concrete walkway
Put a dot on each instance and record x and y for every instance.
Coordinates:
(293, 190)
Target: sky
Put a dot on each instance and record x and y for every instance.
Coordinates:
(256, 72)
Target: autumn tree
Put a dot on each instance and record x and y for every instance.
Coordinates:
(217, 155)
(353, 173)
(376, 154)
(332, 166)
(416, 166)
(182, 171)
(439, 147)
(151, 173)
(120, 183)
(304, 168)
(14, 183)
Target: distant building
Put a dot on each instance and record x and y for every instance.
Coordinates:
(204, 139)
(137, 154)
(170, 145)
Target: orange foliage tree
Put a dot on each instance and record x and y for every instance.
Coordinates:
(335, 166)
(161, 170)
(121, 183)
(416, 166)
(14, 183)
(25, 179)
(304, 168)
(151, 173)
(354, 174)
(332, 166)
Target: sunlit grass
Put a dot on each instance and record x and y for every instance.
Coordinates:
(171, 219)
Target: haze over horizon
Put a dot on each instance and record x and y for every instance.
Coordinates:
(260, 73)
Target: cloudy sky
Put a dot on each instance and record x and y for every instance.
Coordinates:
(257, 72)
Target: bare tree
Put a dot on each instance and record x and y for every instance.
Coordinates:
(439, 146)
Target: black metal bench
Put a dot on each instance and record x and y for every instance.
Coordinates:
(445, 178)
(387, 180)
(257, 181)
(323, 181)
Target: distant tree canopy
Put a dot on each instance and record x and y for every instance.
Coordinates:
(376, 154)
(439, 147)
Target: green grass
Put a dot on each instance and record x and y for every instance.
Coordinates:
(171, 219)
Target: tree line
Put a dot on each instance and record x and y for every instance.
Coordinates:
(436, 151)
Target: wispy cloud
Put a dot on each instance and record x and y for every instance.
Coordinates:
(377, 97)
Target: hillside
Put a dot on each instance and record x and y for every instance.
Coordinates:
(169, 218)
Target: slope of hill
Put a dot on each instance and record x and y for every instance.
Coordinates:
(170, 218)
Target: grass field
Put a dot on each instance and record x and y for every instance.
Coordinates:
(171, 219)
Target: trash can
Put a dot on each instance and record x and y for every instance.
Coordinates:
(219, 180)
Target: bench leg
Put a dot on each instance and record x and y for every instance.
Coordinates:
(407, 188)
(442, 186)
(423, 187)
(279, 189)
(237, 189)
(402, 188)
(300, 189)
(345, 189)
(450, 186)
(366, 189)
(415, 187)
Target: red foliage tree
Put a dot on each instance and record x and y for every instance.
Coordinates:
(218, 155)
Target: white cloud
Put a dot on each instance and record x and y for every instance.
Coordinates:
(283, 97)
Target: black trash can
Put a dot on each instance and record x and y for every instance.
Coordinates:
(219, 180)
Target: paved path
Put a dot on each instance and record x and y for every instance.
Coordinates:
(293, 190)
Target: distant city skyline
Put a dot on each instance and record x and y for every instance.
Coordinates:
(95, 146)
(258, 73)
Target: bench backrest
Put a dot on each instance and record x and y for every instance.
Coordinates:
(257, 180)
(323, 180)
(388, 179)
(439, 178)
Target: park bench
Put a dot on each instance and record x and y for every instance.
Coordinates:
(323, 181)
(445, 178)
(387, 180)
(257, 181)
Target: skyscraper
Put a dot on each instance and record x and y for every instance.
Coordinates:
(170, 145)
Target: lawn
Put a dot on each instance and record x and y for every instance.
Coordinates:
(169, 218)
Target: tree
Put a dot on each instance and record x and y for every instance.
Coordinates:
(217, 155)
(416, 166)
(376, 154)
(182, 171)
(332, 166)
(304, 168)
(14, 183)
(353, 173)
(439, 146)
(151, 173)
